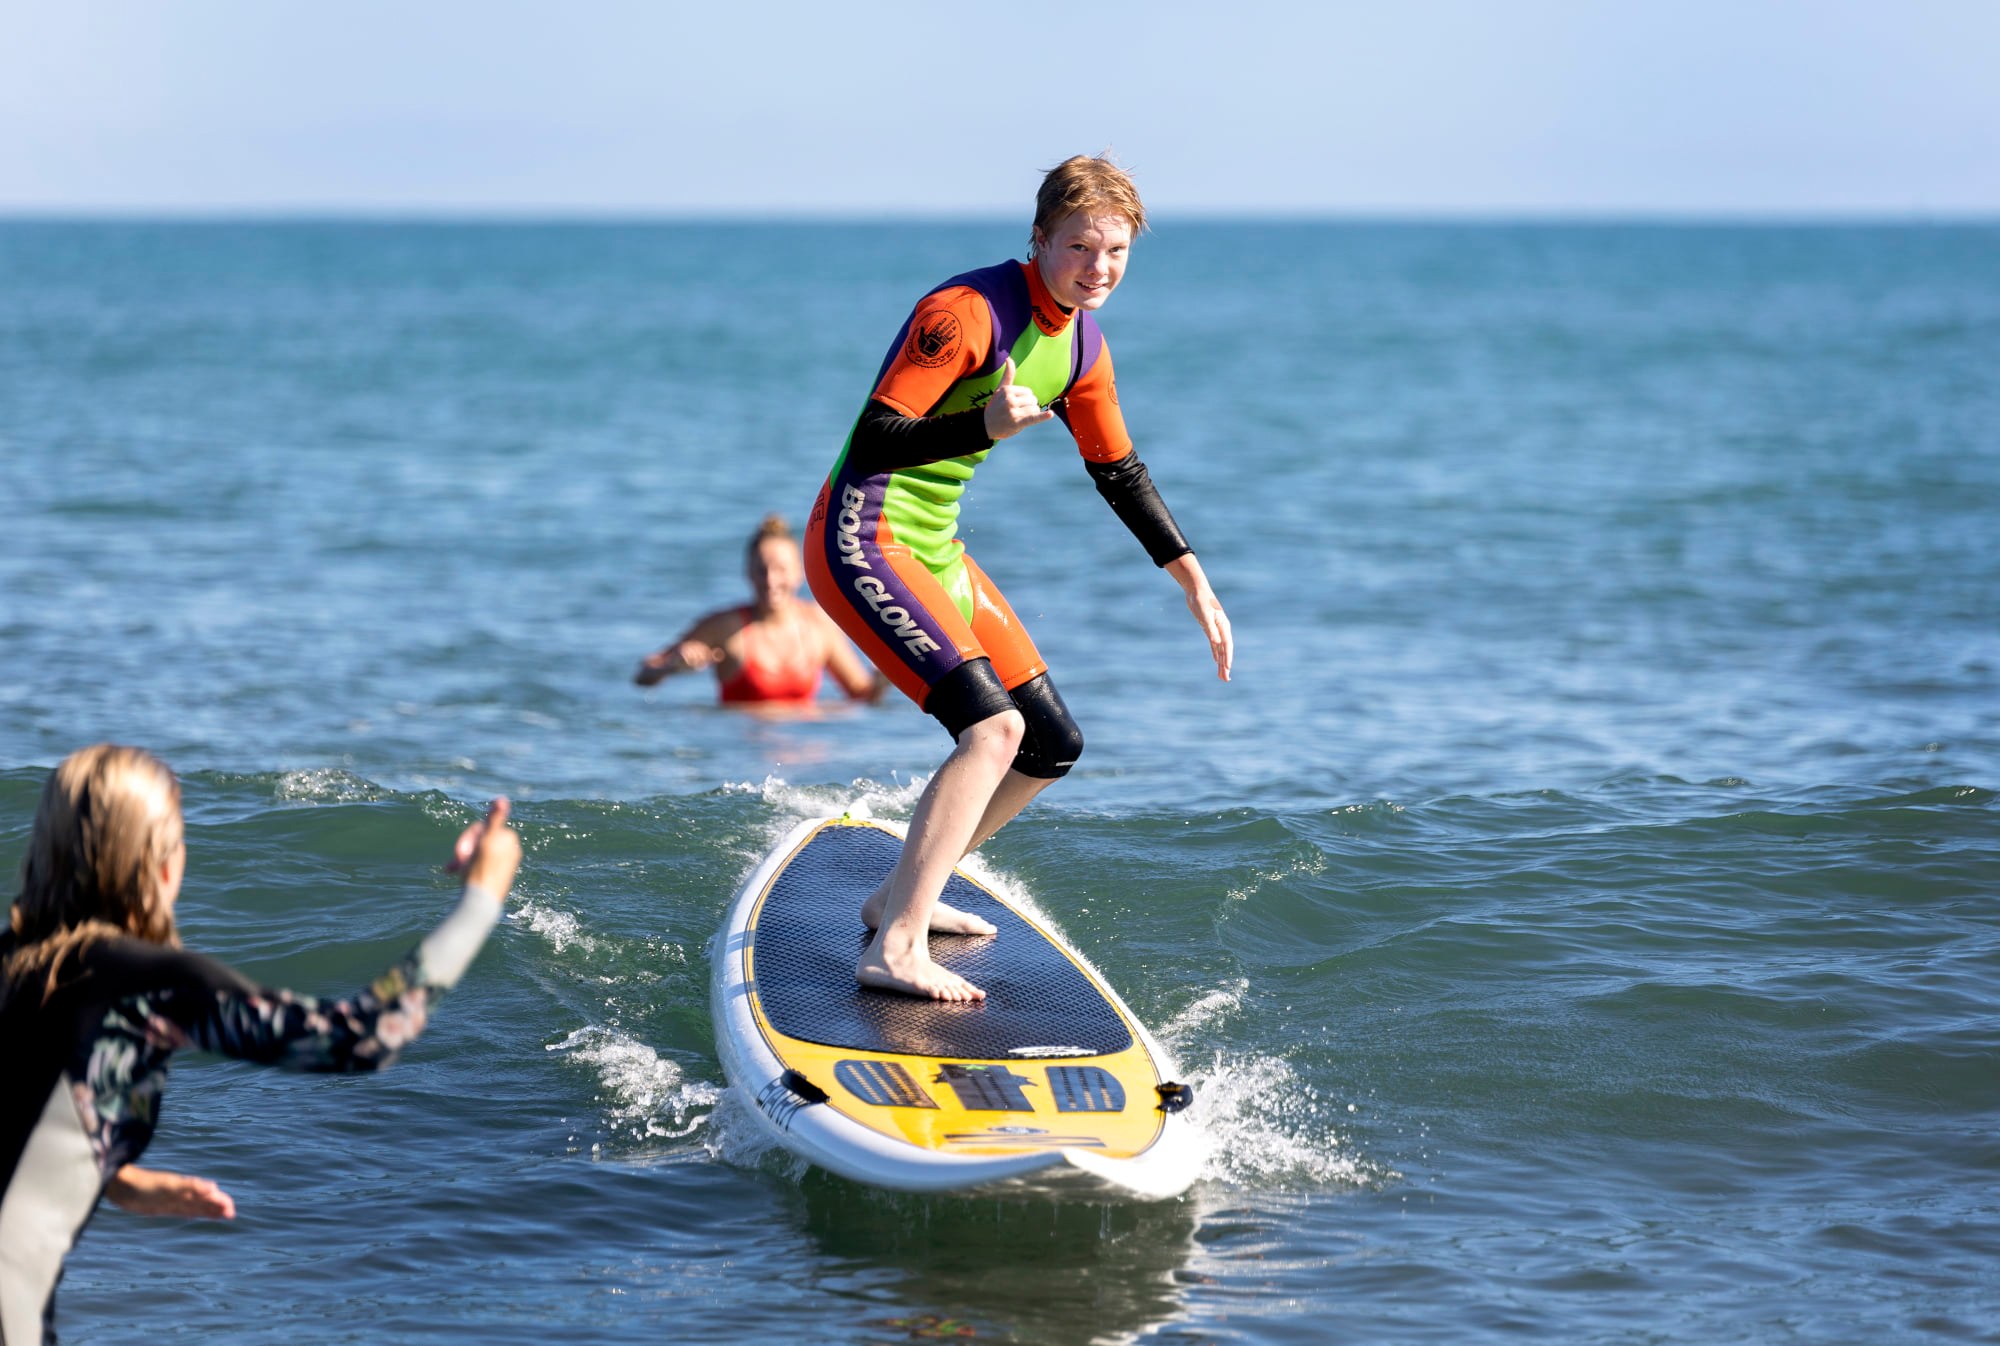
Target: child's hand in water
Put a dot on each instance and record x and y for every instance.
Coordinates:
(488, 852)
(147, 1191)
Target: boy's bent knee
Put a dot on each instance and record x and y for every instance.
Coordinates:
(1005, 730)
(1051, 741)
(997, 738)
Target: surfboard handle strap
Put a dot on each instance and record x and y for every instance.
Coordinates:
(1175, 1097)
(803, 1087)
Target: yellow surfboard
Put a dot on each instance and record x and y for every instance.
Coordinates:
(1050, 1072)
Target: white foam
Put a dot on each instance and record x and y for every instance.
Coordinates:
(645, 1095)
(734, 1137)
(1266, 1127)
(559, 928)
(859, 798)
(327, 785)
(1205, 1012)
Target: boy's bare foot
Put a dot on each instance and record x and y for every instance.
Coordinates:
(913, 974)
(945, 918)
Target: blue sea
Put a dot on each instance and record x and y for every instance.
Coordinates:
(1579, 917)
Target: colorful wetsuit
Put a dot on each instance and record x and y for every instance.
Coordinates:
(882, 551)
(763, 674)
(84, 1069)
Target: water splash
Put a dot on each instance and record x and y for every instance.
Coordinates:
(1205, 1012)
(560, 928)
(328, 785)
(1266, 1128)
(646, 1095)
(861, 797)
(735, 1137)
(1269, 1129)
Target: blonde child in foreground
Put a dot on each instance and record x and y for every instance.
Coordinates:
(96, 995)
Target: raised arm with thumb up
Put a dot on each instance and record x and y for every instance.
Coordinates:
(1012, 408)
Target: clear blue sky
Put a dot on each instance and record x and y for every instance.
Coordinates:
(1796, 107)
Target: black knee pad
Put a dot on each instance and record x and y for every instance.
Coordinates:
(966, 695)
(1053, 741)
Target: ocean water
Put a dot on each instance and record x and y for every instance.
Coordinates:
(1577, 917)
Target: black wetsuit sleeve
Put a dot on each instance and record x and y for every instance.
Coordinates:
(217, 1009)
(1128, 488)
(364, 1031)
(885, 440)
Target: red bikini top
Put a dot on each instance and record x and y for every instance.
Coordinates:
(764, 677)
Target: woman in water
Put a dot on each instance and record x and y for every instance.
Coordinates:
(984, 356)
(774, 650)
(96, 994)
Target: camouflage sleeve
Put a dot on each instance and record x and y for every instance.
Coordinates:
(365, 1031)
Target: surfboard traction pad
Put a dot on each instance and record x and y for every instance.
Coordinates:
(803, 967)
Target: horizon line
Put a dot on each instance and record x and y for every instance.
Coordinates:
(19, 213)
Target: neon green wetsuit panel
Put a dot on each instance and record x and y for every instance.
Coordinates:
(921, 503)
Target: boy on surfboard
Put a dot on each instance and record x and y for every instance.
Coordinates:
(984, 356)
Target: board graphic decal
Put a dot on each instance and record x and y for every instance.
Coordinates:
(987, 1088)
(1085, 1089)
(886, 1084)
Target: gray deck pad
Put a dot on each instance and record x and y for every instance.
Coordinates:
(809, 935)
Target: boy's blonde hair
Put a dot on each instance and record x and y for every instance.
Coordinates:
(1087, 182)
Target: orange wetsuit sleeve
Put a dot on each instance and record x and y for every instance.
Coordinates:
(1093, 415)
(950, 335)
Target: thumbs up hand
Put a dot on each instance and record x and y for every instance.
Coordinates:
(1012, 408)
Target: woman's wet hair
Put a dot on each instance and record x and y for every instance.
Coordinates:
(1086, 182)
(108, 823)
(773, 526)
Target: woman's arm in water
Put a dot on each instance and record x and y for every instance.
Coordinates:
(148, 1191)
(699, 647)
(368, 1030)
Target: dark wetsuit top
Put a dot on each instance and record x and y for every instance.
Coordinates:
(83, 1071)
